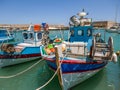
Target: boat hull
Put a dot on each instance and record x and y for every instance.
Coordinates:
(75, 71)
(7, 60)
(72, 79)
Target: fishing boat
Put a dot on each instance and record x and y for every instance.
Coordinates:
(5, 35)
(27, 50)
(114, 29)
(118, 30)
(83, 56)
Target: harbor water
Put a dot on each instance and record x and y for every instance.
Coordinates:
(107, 79)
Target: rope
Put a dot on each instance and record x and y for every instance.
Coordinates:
(11, 76)
(51, 77)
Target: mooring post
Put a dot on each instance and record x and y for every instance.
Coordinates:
(59, 73)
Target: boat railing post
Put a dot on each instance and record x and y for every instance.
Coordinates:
(59, 73)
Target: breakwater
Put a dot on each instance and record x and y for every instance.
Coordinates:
(26, 26)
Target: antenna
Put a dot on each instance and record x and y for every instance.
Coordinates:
(116, 14)
(83, 10)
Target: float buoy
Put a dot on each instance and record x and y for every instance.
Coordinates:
(118, 53)
(37, 27)
(114, 57)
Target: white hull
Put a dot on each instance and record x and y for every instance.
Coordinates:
(8, 62)
(72, 79)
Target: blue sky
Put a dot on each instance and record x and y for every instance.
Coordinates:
(56, 11)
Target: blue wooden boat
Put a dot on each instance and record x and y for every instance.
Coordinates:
(80, 58)
(5, 35)
(27, 50)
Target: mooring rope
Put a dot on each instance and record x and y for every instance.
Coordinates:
(11, 76)
(52, 76)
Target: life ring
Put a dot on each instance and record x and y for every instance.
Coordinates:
(110, 43)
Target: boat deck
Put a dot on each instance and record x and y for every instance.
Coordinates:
(101, 52)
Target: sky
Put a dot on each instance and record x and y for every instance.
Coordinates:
(56, 11)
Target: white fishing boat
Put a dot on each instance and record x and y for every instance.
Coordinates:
(114, 29)
(25, 51)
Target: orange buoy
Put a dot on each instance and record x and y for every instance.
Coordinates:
(52, 50)
(37, 27)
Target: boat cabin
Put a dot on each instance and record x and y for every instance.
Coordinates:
(33, 35)
(80, 28)
(80, 34)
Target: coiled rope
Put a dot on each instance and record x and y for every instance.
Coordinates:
(11, 76)
(52, 76)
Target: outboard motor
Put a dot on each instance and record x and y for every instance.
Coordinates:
(75, 20)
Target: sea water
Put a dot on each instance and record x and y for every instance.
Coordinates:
(106, 79)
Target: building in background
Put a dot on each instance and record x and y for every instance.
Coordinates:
(25, 26)
(96, 24)
(103, 24)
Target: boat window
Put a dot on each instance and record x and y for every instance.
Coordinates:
(31, 36)
(25, 35)
(39, 35)
(80, 32)
(72, 32)
(89, 33)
